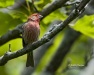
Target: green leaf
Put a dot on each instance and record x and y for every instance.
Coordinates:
(5, 3)
(56, 15)
(7, 22)
(85, 25)
(41, 3)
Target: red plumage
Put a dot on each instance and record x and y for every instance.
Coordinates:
(31, 31)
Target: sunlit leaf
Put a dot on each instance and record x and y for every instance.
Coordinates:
(5, 3)
(7, 22)
(85, 25)
(56, 15)
(41, 3)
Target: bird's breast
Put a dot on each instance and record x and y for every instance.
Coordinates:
(31, 32)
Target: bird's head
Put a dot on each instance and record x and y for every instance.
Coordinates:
(35, 17)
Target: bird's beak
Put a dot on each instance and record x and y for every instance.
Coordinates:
(40, 16)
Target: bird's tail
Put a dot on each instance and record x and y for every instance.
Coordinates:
(30, 61)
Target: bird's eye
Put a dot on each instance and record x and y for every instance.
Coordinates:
(33, 18)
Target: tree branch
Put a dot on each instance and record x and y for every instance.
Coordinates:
(47, 37)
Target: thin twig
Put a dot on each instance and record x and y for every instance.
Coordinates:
(36, 10)
(9, 47)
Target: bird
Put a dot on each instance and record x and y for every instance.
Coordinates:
(30, 34)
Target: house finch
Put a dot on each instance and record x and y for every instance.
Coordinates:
(31, 31)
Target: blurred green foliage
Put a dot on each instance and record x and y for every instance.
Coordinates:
(41, 3)
(6, 3)
(9, 19)
(7, 22)
(85, 25)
